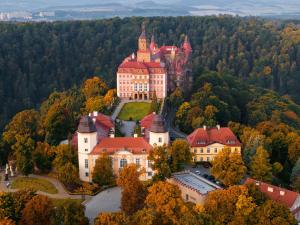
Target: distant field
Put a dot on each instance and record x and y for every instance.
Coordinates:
(36, 184)
(134, 110)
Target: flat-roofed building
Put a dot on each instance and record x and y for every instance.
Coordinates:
(193, 188)
(206, 143)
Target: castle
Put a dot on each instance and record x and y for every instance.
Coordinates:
(154, 70)
(95, 136)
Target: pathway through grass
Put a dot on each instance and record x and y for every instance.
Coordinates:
(36, 184)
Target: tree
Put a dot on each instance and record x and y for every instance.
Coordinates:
(294, 149)
(43, 156)
(154, 104)
(159, 158)
(164, 199)
(69, 213)
(103, 170)
(273, 213)
(111, 219)
(64, 154)
(68, 174)
(228, 167)
(295, 176)
(210, 115)
(95, 104)
(6, 221)
(176, 97)
(93, 87)
(23, 149)
(260, 167)
(110, 97)
(133, 192)
(180, 154)
(23, 123)
(37, 211)
(229, 205)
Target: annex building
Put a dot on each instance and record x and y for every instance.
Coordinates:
(154, 70)
(95, 136)
(206, 143)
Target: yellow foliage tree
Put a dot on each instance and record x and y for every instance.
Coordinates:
(93, 87)
(260, 167)
(95, 104)
(228, 167)
(111, 219)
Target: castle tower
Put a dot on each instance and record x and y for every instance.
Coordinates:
(143, 54)
(143, 39)
(158, 133)
(187, 45)
(87, 140)
(152, 43)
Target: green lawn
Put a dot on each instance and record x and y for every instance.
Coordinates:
(134, 110)
(36, 184)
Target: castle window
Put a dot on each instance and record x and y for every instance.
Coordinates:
(85, 140)
(86, 174)
(123, 163)
(208, 150)
(86, 163)
(135, 87)
(216, 150)
(140, 87)
(195, 150)
(208, 159)
(159, 140)
(145, 87)
(137, 162)
(201, 150)
(149, 174)
(200, 142)
(201, 158)
(86, 150)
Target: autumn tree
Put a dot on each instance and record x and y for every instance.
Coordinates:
(95, 104)
(23, 123)
(23, 149)
(160, 162)
(103, 170)
(294, 148)
(295, 176)
(6, 221)
(110, 97)
(93, 87)
(176, 97)
(43, 156)
(165, 201)
(210, 115)
(228, 167)
(180, 154)
(133, 192)
(69, 213)
(229, 205)
(37, 211)
(260, 167)
(154, 107)
(111, 219)
(272, 212)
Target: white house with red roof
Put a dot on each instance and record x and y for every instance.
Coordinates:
(154, 70)
(206, 143)
(95, 136)
(286, 197)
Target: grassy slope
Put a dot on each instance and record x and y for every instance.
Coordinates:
(134, 110)
(35, 184)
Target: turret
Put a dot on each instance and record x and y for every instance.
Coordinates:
(187, 45)
(87, 140)
(152, 43)
(158, 133)
(143, 39)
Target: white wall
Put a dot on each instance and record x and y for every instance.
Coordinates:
(154, 138)
(83, 151)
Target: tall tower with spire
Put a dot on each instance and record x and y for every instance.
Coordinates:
(143, 54)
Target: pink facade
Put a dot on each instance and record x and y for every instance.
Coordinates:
(154, 70)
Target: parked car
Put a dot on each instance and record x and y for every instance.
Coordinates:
(205, 176)
(198, 172)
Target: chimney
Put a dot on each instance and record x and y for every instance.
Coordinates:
(95, 113)
(218, 127)
(204, 127)
(112, 135)
(135, 135)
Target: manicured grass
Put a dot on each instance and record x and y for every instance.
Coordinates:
(36, 184)
(58, 202)
(134, 110)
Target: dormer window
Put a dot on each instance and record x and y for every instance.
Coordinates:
(282, 193)
(270, 189)
(230, 142)
(201, 142)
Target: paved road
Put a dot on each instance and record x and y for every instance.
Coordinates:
(106, 201)
(127, 128)
(169, 115)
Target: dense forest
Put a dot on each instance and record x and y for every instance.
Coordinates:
(38, 58)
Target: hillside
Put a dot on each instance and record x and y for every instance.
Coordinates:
(37, 58)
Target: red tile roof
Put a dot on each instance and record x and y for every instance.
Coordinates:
(202, 137)
(288, 198)
(147, 121)
(111, 145)
(133, 64)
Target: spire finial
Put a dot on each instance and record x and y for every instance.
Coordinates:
(143, 34)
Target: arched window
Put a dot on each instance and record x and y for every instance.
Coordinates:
(123, 162)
